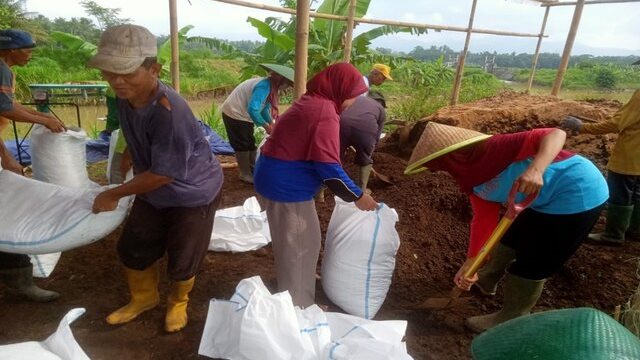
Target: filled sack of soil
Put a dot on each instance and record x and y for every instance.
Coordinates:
(60, 158)
(61, 345)
(359, 257)
(42, 218)
(568, 334)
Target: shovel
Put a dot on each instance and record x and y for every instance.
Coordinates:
(382, 177)
(513, 210)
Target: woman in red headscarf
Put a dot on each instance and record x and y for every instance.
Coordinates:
(302, 153)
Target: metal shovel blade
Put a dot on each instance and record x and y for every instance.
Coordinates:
(440, 303)
(384, 178)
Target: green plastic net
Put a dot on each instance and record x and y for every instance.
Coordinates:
(569, 334)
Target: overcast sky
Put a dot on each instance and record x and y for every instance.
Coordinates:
(605, 29)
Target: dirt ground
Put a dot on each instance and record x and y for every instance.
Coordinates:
(433, 230)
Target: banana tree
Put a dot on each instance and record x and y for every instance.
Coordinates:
(325, 39)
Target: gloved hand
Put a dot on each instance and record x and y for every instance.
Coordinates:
(571, 124)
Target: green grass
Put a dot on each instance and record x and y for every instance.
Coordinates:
(576, 94)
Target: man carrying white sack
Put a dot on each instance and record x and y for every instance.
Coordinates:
(177, 180)
(16, 270)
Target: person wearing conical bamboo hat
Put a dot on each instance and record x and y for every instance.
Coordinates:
(571, 191)
(253, 103)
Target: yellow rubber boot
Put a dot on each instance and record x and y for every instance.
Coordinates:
(176, 318)
(143, 286)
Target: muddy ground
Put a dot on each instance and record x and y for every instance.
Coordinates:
(433, 230)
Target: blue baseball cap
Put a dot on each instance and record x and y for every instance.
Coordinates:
(15, 39)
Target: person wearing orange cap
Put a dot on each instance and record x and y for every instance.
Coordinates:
(570, 191)
(379, 74)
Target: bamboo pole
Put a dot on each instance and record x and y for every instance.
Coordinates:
(175, 51)
(302, 42)
(463, 55)
(534, 62)
(377, 22)
(571, 37)
(349, 32)
(592, 2)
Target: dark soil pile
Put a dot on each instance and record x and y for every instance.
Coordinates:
(433, 228)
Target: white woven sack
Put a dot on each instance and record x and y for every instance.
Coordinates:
(359, 257)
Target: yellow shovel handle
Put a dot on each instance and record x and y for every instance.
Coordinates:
(495, 237)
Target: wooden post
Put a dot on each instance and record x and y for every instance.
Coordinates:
(349, 32)
(463, 55)
(534, 62)
(564, 62)
(302, 42)
(175, 51)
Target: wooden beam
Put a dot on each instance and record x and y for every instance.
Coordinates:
(302, 45)
(377, 22)
(566, 54)
(591, 2)
(349, 32)
(175, 51)
(534, 62)
(460, 70)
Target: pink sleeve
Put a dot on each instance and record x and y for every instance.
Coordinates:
(485, 219)
(532, 143)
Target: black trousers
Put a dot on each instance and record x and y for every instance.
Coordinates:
(544, 242)
(624, 190)
(240, 134)
(183, 233)
(13, 261)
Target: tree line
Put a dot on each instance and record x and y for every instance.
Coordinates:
(509, 60)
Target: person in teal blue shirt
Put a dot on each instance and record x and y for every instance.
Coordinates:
(253, 103)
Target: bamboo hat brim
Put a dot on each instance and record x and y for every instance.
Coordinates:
(281, 70)
(437, 140)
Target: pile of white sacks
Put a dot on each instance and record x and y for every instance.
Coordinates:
(255, 324)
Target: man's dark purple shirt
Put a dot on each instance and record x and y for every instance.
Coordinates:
(170, 143)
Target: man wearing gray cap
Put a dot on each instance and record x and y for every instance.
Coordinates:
(16, 270)
(177, 180)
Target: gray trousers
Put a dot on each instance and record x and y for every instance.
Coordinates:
(296, 239)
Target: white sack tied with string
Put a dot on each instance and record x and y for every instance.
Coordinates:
(41, 218)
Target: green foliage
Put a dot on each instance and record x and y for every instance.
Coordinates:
(325, 39)
(605, 78)
(106, 17)
(213, 118)
(597, 76)
(424, 74)
(518, 61)
(431, 87)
